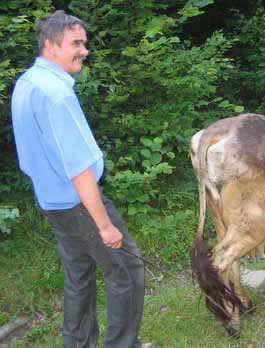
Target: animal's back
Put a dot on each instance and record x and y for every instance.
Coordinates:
(230, 148)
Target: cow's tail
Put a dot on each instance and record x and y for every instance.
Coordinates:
(218, 295)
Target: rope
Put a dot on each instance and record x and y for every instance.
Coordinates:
(160, 269)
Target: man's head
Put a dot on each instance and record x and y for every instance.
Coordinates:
(62, 40)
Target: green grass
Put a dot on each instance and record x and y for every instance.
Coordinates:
(253, 264)
(31, 283)
(174, 317)
(177, 318)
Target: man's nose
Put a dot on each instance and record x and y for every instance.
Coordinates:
(85, 52)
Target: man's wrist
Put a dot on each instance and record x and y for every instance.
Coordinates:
(103, 226)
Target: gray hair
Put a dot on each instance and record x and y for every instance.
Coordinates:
(53, 27)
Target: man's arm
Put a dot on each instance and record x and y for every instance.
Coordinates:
(87, 189)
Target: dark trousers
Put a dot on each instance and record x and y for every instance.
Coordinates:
(81, 249)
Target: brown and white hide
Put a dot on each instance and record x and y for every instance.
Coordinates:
(229, 160)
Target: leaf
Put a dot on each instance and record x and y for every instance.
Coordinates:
(201, 3)
(143, 198)
(239, 109)
(192, 9)
(129, 52)
(174, 39)
(7, 213)
(153, 32)
(189, 11)
(146, 142)
(146, 153)
(164, 168)
(162, 40)
(132, 210)
(146, 163)
(171, 155)
(156, 158)
(167, 170)
(156, 147)
(224, 104)
(109, 165)
(158, 140)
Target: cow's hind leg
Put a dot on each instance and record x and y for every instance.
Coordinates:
(225, 258)
(231, 277)
(235, 282)
(220, 291)
(258, 252)
(232, 280)
(234, 245)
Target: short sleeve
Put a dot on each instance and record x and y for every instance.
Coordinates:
(75, 142)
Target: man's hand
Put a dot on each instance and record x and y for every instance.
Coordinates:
(111, 236)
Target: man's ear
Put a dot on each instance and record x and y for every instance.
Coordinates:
(49, 47)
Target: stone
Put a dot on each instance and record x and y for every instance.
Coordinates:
(254, 279)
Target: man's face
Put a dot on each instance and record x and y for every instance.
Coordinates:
(70, 54)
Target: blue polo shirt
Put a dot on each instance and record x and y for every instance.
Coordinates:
(53, 139)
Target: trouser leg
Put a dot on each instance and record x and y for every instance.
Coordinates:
(80, 328)
(124, 277)
(80, 247)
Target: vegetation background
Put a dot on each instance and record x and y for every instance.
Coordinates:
(158, 71)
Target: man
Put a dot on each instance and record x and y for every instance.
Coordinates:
(57, 150)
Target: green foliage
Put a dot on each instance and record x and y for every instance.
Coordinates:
(135, 190)
(17, 50)
(146, 88)
(146, 91)
(248, 80)
(167, 230)
(192, 8)
(7, 214)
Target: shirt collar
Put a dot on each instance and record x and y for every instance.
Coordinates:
(56, 69)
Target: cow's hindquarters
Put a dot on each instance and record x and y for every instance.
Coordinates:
(243, 206)
(229, 161)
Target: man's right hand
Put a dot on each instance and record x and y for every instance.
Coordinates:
(111, 236)
(87, 189)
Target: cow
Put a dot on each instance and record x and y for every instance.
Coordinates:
(229, 160)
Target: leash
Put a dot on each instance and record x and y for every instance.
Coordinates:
(158, 268)
(161, 270)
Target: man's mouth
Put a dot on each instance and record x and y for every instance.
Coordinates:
(79, 59)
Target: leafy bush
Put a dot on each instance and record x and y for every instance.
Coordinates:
(17, 50)
(145, 89)
(248, 77)
(7, 214)
(166, 232)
